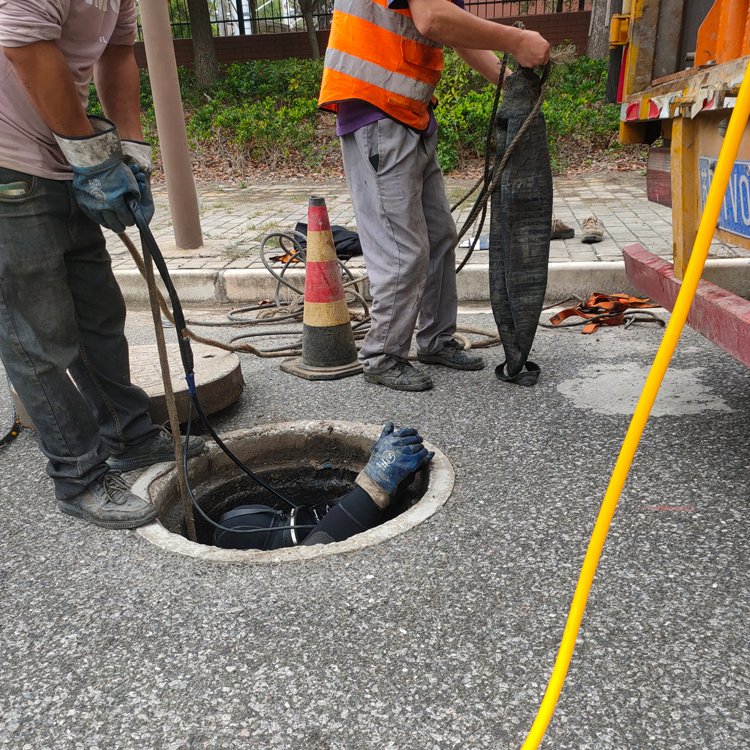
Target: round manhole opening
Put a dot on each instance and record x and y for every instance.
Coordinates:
(309, 462)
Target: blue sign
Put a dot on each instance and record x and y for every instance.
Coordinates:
(735, 211)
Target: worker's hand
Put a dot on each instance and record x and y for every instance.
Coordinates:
(101, 181)
(532, 49)
(137, 155)
(395, 455)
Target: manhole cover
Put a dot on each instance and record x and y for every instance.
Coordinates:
(217, 373)
(312, 460)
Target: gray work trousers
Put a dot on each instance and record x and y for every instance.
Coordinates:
(408, 239)
(62, 342)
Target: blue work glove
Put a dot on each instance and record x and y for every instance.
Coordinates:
(137, 155)
(102, 183)
(395, 455)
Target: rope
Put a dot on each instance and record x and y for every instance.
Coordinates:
(290, 311)
(245, 348)
(169, 397)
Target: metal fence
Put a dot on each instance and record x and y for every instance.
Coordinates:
(504, 8)
(241, 17)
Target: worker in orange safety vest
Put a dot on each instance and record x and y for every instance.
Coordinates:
(383, 61)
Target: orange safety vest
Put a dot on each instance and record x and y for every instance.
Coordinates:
(375, 54)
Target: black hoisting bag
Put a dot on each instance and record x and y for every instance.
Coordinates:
(520, 226)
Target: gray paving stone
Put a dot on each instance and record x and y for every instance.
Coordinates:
(235, 219)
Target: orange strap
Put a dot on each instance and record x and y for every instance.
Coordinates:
(603, 309)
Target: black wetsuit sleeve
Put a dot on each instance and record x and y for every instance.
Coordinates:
(353, 513)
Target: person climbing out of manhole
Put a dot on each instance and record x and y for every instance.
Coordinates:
(395, 457)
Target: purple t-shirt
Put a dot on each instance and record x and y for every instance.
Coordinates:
(354, 114)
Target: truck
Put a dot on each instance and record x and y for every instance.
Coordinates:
(675, 69)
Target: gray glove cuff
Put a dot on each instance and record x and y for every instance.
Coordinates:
(379, 496)
(88, 151)
(139, 153)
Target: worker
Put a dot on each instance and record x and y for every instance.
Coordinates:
(63, 175)
(383, 61)
(395, 457)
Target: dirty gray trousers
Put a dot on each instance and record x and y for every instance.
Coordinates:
(408, 239)
(62, 339)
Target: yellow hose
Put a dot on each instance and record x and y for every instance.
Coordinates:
(663, 356)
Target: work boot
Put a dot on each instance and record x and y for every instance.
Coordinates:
(592, 230)
(156, 450)
(401, 377)
(561, 231)
(453, 355)
(108, 502)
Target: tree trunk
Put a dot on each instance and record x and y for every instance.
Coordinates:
(312, 34)
(204, 54)
(254, 25)
(601, 13)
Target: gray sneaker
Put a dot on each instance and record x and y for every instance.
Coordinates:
(158, 449)
(401, 377)
(592, 230)
(561, 231)
(108, 502)
(453, 355)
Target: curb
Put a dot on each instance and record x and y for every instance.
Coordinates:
(249, 286)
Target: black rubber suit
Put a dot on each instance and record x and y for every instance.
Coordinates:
(395, 457)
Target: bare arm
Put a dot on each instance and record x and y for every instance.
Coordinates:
(118, 84)
(42, 70)
(448, 24)
(484, 61)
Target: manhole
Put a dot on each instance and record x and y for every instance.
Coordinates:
(306, 460)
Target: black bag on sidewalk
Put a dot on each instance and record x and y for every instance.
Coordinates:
(345, 241)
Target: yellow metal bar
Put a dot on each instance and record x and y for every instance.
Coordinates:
(659, 367)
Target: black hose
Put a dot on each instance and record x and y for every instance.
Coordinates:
(186, 352)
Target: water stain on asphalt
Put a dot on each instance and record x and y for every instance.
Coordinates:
(614, 389)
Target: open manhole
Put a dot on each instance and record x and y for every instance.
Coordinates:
(308, 462)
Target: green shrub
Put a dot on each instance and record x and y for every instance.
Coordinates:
(266, 112)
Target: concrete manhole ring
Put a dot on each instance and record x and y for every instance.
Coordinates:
(260, 444)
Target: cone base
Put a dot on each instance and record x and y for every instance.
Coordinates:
(296, 366)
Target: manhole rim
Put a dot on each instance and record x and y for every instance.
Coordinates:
(439, 489)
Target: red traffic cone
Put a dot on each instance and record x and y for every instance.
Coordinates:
(328, 350)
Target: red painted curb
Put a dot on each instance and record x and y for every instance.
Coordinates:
(719, 315)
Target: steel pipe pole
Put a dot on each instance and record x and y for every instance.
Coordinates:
(170, 123)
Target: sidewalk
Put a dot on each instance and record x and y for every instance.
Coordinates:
(228, 269)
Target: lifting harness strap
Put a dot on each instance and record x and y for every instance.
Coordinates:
(603, 309)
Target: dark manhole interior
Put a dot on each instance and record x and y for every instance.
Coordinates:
(307, 485)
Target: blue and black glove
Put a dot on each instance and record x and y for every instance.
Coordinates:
(395, 455)
(102, 183)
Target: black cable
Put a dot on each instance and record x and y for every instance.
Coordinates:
(15, 426)
(203, 513)
(12, 433)
(186, 352)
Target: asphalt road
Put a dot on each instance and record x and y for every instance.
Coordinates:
(442, 638)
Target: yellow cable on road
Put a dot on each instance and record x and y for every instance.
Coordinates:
(663, 356)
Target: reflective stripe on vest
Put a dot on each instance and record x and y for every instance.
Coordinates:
(377, 55)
